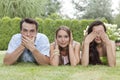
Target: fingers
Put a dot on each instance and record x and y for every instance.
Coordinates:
(99, 32)
(71, 38)
(29, 38)
(94, 34)
(24, 41)
(104, 37)
(27, 42)
(25, 37)
(56, 44)
(55, 41)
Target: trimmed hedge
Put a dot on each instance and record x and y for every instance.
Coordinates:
(10, 26)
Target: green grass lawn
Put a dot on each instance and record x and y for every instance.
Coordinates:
(29, 71)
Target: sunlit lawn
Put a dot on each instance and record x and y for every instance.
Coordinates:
(28, 71)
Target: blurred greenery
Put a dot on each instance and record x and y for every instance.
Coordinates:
(28, 8)
(10, 26)
(93, 9)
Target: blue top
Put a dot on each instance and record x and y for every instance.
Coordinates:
(41, 43)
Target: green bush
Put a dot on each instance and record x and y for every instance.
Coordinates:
(5, 32)
(10, 26)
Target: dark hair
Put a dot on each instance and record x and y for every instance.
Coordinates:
(30, 21)
(93, 53)
(117, 41)
(95, 23)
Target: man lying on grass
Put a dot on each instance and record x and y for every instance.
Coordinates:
(28, 45)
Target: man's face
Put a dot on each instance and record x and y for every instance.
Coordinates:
(29, 30)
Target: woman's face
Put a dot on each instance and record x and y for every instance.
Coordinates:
(62, 38)
(98, 29)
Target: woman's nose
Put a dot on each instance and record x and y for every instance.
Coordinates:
(63, 39)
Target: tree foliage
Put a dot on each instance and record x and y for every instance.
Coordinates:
(52, 7)
(54, 16)
(117, 17)
(93, 9)
(27, 8)
(117, 20)
(10, 26)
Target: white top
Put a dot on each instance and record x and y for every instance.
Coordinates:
(65, 60)
(41, 43)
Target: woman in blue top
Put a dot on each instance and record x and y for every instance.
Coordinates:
(97, 47)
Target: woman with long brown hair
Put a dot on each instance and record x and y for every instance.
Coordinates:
(64, 50)
(97, 47)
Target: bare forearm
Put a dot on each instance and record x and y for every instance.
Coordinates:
(13, 57)
(54, 60)
(40, 58)
(73, 59)
(110, 56)
(55, 56)
(85, 55)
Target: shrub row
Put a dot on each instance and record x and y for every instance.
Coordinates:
(10, 26)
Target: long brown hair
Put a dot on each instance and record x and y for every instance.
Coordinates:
(93, 53)
(67, 30)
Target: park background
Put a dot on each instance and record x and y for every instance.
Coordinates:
(50, 15)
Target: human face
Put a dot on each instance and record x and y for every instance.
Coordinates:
(62, 38)
(28, 30)
(98, 29)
